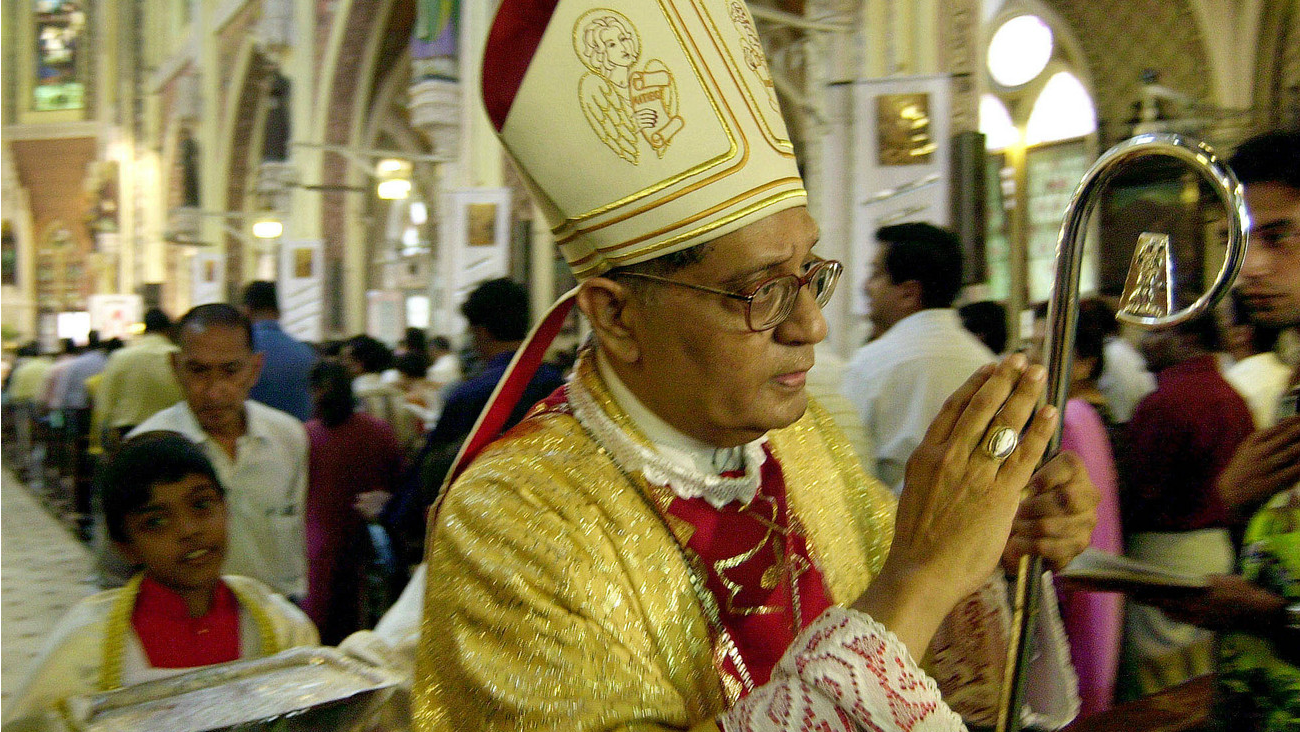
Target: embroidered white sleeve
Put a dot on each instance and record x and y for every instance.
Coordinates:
(969, 651)
(845, 672)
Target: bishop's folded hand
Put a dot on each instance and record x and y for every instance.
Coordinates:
(1056, 519)
(959, 499)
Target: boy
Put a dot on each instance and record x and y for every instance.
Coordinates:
(165, 511)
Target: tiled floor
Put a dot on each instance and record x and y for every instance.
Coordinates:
(43, 572)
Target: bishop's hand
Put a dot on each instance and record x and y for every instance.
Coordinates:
(1056, 519)
(959, 499)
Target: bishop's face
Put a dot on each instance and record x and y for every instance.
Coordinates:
(1270, 276)
(701, 369)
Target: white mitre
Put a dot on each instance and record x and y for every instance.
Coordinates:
(641, 130)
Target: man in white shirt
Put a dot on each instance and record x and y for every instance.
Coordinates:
(138, 380)
(445, 367)
(260, 453)
(919, 353)
(1124, 378)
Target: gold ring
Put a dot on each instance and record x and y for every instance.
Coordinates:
(999, 443)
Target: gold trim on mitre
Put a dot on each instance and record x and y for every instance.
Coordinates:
(648, 129)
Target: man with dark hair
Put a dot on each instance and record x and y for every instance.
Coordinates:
(286, 361)
(987, 321)
(499, 309)
(366, 359)
(1257, 609)
(260, 453)
(498, 315)
(919, 351)
(138, 380)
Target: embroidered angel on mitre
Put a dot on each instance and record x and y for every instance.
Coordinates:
(752, 47)
(624, 104)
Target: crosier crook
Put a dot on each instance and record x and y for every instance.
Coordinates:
(1147, 303)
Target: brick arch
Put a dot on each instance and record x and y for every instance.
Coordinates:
(243, 151)
(1120, 39)
(373, 37)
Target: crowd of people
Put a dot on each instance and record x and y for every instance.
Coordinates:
(666, 531)
(1188, 433)
(322, 460)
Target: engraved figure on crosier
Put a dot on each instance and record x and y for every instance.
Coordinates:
(624, 104)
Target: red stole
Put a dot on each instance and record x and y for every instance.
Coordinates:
(753, 554)
(172, 639)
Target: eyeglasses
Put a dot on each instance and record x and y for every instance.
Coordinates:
(771, 301)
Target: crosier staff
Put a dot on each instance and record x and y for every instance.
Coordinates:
(1147, 302)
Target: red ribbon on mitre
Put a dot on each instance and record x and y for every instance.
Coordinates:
(511, 45)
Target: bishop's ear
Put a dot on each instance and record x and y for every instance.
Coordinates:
(614, 312)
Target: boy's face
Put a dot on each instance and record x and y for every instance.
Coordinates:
(180, 534)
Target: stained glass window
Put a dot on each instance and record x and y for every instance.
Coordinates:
(60, 27)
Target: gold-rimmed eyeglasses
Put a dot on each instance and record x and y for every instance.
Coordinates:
(771, 301)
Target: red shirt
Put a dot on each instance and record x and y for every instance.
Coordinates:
(173, 639)
(1181, 437)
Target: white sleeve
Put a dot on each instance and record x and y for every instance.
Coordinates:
(845, 671)
(67, 665)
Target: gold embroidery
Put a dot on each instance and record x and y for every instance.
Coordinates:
(620, 101)
(752, 49)
(543, 514)
(721, 567)
(711, 225)
(696, 216)
(716, 104)
(781, 145)
(680, 527)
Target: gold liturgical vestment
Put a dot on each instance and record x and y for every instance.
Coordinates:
(558, 598)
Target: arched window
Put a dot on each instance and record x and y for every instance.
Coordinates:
(61, 59)
(1038, 120)
(1019, 50)
(1062, 111)
(996, 125)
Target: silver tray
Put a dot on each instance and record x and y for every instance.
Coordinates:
(313, 688)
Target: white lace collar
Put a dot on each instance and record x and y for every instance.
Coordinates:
(665, 456)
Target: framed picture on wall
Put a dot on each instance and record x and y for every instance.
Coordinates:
(481, 224)
(903, 129)
(474, 246)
